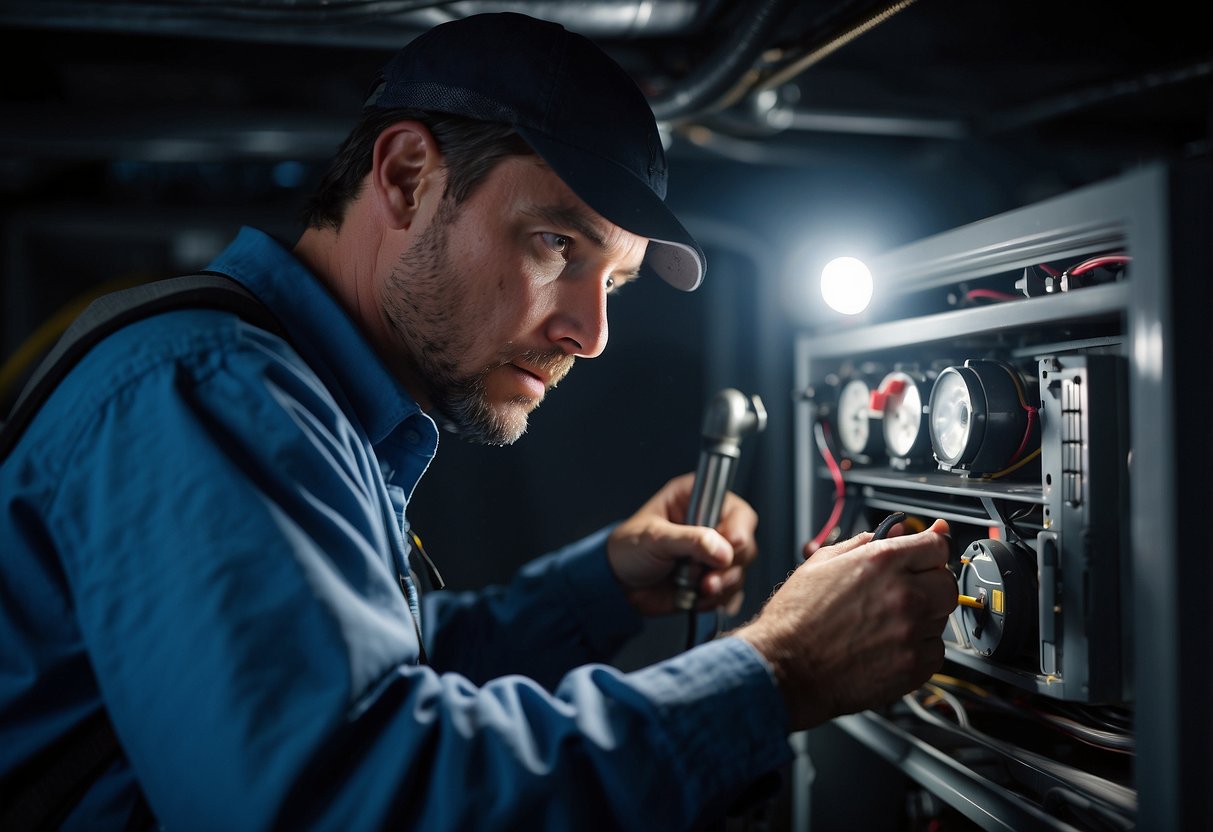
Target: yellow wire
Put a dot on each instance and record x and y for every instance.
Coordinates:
(1016, 466)
(798, 66)
(417, 542)
(42, 339)
(1023, 402)
(944, 679)
(1015, 379)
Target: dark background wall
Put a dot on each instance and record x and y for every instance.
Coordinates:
(135, 142)
(136, 138)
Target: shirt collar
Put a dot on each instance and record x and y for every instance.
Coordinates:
(321, 331)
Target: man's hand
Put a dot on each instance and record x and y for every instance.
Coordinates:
(644, 549)
(858, 624)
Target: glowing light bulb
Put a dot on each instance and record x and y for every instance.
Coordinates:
(846, 285)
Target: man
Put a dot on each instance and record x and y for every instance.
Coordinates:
(207, 532)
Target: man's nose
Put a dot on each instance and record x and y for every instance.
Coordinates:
(579, 323)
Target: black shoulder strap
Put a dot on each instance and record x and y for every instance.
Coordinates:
(49, 786)
(42, 793)
(109, 313)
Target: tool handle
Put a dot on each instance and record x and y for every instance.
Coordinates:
(728, 418)
(712, 480)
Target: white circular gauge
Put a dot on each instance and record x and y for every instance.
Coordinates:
(905, 430)
(981, 421)
(951, 416)
(854, 422)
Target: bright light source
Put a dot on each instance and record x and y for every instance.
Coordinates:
(846, 285)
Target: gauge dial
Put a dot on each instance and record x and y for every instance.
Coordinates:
(951, 417)
(854, 420)
(904, 397)
(981, 421)
(1004, 579)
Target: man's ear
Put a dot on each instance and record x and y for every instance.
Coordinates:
(405, 170)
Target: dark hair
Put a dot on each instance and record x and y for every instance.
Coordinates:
(470, 149)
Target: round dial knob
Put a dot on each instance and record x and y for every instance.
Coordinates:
(855, 429)
(903, 399)
(1004, 579)
(981, 422)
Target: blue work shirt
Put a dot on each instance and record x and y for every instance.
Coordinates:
(204, 534)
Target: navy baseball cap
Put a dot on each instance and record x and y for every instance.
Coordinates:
(579, 110)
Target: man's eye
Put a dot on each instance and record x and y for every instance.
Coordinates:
(556, 242)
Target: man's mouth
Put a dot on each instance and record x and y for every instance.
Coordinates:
(546, 368)
(536, 384)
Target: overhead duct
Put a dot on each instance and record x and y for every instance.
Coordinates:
(353, 23)
(704, 88)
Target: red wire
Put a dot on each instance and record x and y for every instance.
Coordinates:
(1023, 444)
(1049, 270)
(1096, 262)
(839, 486)
(990, 293)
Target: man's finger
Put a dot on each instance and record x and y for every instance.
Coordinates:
(699, 543)
(922, 551)
(841, 548)
(738, 519)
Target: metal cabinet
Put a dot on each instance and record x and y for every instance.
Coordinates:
(1038, 379)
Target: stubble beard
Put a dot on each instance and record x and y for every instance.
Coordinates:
(422, 302)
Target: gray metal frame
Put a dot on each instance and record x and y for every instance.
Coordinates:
(1161, 214)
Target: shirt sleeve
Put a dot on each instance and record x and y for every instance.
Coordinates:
(562, 610)
(225, 548)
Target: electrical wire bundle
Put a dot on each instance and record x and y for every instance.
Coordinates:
(1062, 789)
(1089, 272)
(821, 436)
(1046, 278)
(1018, 459)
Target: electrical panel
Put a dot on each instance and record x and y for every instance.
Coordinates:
(1014, 377)
(1017, 437)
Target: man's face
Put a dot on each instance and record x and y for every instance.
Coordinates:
(494, 298)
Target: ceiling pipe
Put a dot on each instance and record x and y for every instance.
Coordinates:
(1075, 101)
(831, 42)
(592, 18)
(386, 24)
(703, 89)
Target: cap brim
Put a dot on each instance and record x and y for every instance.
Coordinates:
(620, 197)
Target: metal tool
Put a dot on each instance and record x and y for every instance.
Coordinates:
(728, 418)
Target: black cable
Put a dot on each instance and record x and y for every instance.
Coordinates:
(882, 531)
(692, 627)
(715, 75)
(1088, 812)
(1037, 769)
